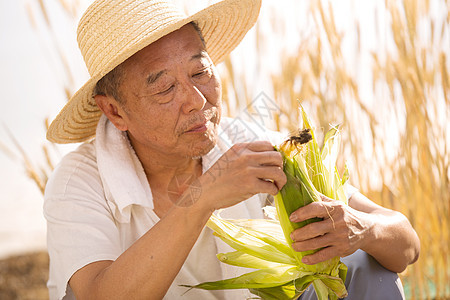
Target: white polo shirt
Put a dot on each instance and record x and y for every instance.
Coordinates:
(98, 203)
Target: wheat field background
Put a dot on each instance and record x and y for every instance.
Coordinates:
(380, 69)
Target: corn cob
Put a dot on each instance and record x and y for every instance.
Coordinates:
(265, 245)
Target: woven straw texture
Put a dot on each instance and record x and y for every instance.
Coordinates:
(111, 31)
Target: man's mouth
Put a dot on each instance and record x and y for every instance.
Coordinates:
(201, 123)
(199, 127)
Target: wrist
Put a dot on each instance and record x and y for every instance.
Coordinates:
(370, 233)
(199, 196)
(378, 237)
(208, 199)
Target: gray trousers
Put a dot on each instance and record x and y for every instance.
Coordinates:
(366, 280)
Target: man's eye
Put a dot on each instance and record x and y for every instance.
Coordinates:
(203, 74)
(200, 73)
(166, 91)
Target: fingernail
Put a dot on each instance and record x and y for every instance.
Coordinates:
(293, 218)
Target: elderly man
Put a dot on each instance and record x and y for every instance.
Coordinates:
(127, 210)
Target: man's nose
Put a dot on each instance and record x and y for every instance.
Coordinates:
(194, 100)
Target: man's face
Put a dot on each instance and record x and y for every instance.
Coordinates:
(172, 96)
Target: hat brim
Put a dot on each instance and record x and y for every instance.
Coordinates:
(223, 26)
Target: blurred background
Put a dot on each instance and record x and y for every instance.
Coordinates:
(380, 69)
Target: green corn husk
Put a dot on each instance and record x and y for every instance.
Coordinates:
(265, 245)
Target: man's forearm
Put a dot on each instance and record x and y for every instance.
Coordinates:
(147, 269)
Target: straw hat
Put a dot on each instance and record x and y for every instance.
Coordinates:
(111, 31)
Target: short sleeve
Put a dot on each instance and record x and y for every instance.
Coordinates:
(80, 226)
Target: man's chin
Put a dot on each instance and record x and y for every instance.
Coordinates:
(198, 153)
(201, 149)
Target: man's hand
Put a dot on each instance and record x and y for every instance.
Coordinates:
(243, 171)
(340, 233)
(383, 233)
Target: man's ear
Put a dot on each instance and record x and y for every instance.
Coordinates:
(112, 110)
